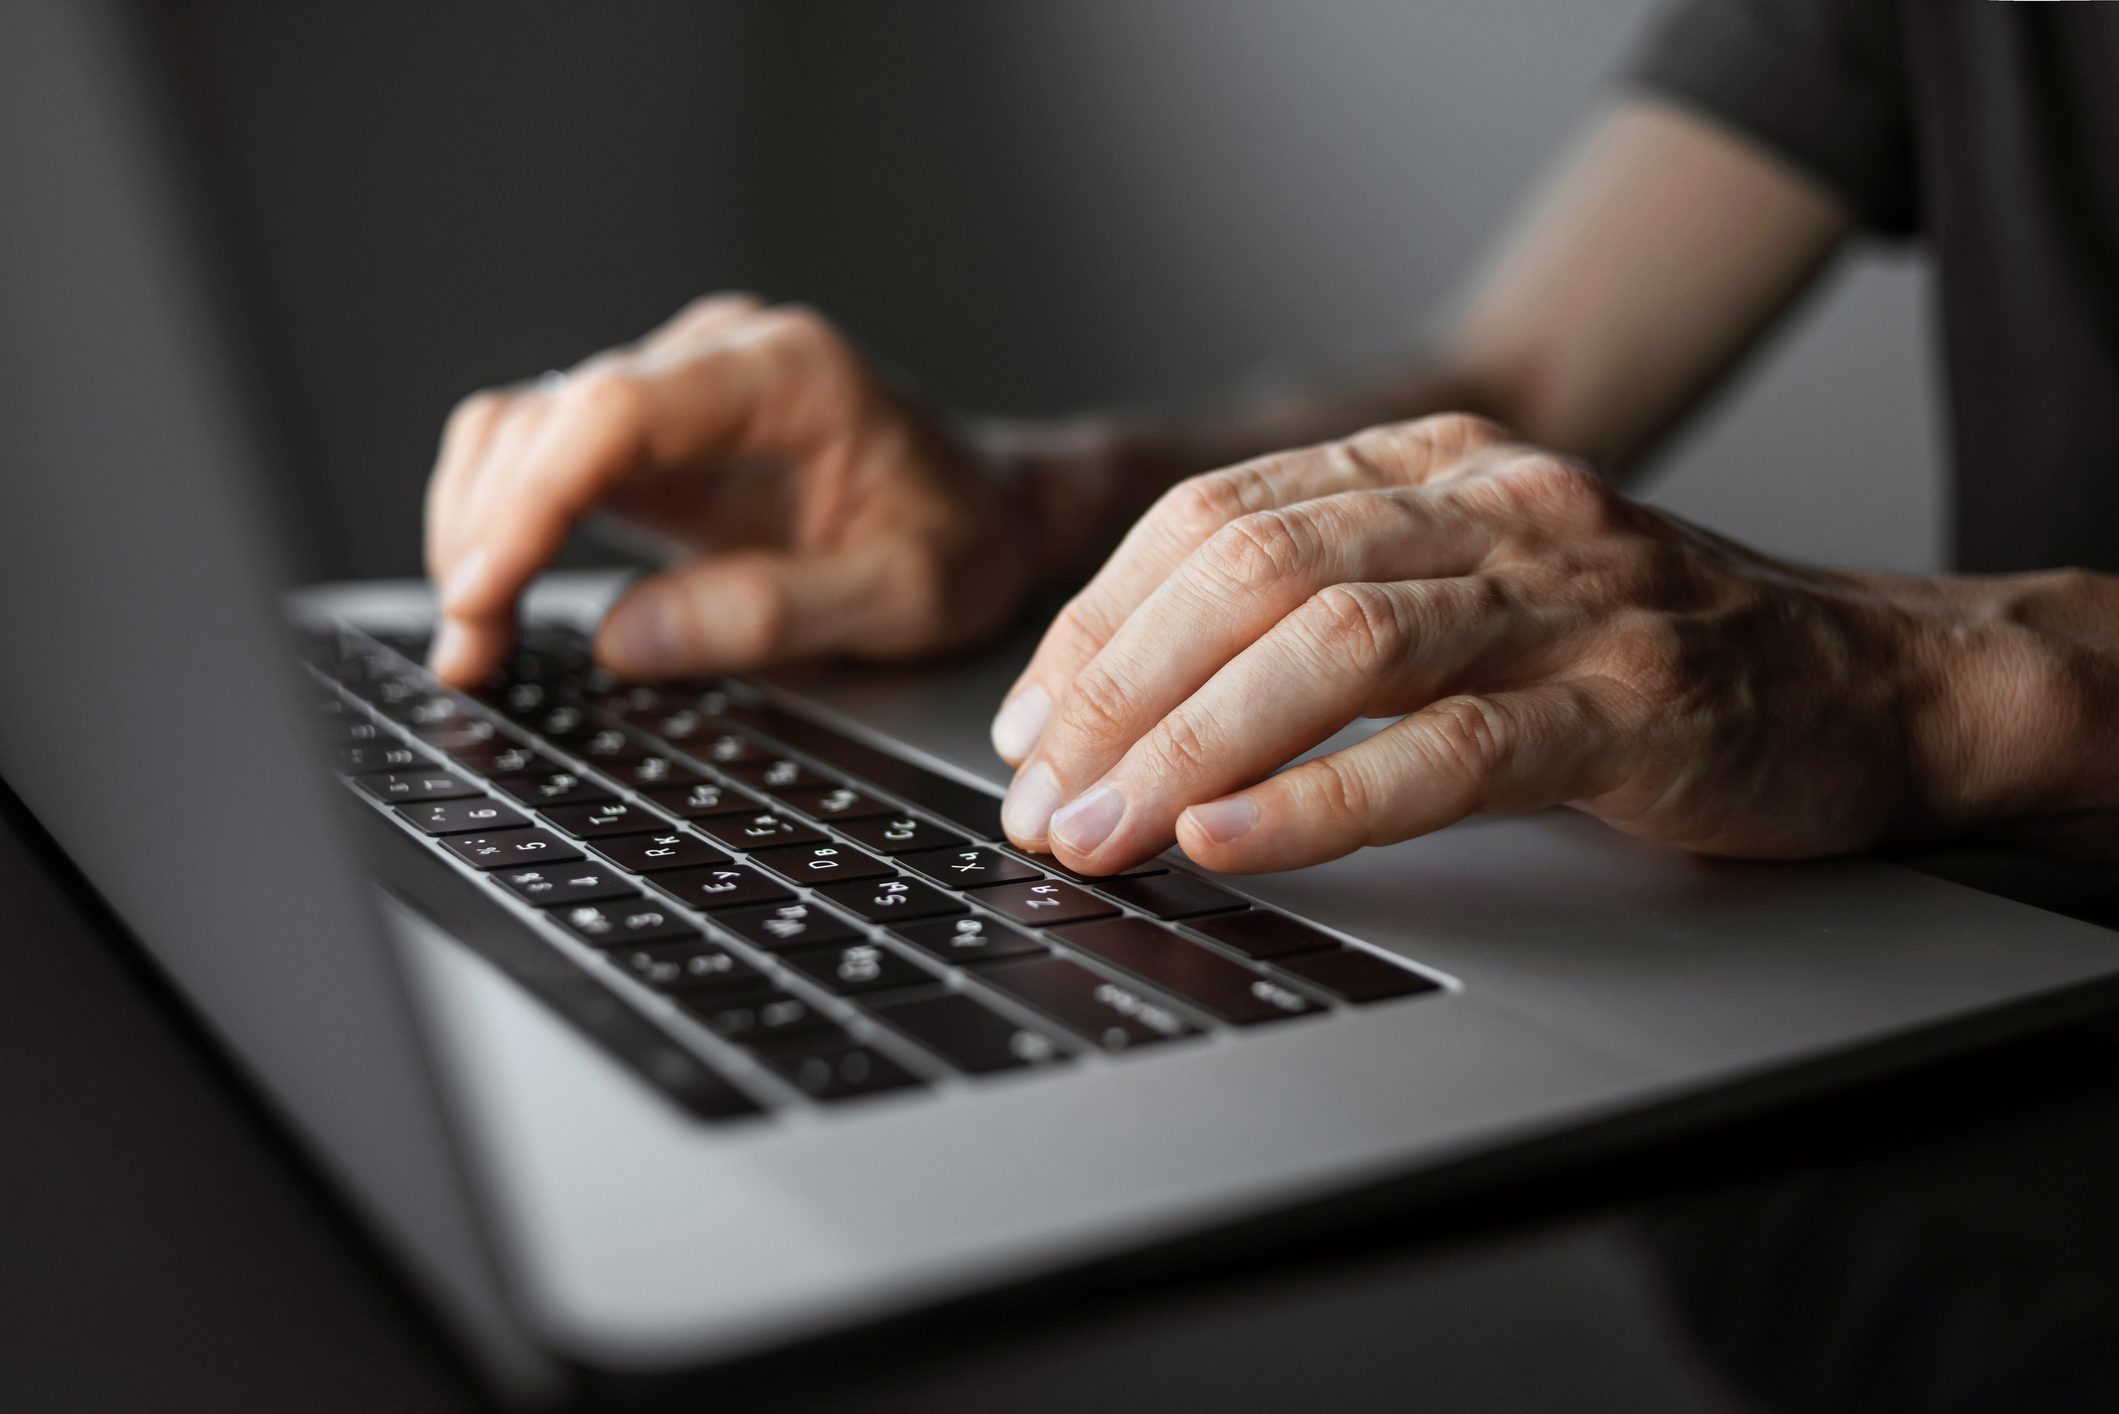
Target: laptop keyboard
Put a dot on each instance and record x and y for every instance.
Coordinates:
(802, 919)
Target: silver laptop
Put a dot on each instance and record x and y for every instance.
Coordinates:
(654, 1026)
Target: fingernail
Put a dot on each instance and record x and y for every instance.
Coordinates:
(465, 579)
(1223, 820)
(1027, 810)
(1089, 820)
(450, 640)
(639, 639)
(1020, 722)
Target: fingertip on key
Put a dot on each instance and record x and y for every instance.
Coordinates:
(1026, 812)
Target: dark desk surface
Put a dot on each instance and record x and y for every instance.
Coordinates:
(1947, 1240)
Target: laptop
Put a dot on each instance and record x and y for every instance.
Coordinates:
(651, 1026)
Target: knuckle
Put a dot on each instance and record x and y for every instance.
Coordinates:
(1080, 623)
(607, 397)
(1180, 748)
(1465, 737)
(1099, 708)
(800, 324)
(721, 302)
(1339, 787)
(1565, 492)
(1426, 442)
(1258, 550)
(1364, 624)
(1198, 506)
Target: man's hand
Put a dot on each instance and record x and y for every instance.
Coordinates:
(822, 513)
(1547, 641)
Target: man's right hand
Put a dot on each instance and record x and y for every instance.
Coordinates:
(816, 512)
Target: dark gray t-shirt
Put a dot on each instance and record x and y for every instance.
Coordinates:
(1991, 132)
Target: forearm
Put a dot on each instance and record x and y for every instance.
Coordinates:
(1631, 287)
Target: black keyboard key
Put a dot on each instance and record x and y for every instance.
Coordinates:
(649, 854)
(1257, 933)
(1052, 866)
(730, 886)
(564, 724)
(832, 804)
(427, 711)
(787, 925)
(776, 774)
(968, 868)
(504, 848)
(900, 834)
(706, 799)
(1042, 903)
(543, 788)
(612, 817)
(1171, 895)
(967, 942)
(356, 731)
(704, 734)
(850, 968)
(498, 756)
(517, 699)
(1358, 975)
(456, 817)
(457, 733)
(650, 772)
(1229, 991)
(757, 1019)
(826, 1067)
(971, 1037)
(388, 755)
(621, 922)
(607, 746)
(551, 886)
(644, 702)
(764, 830)
(697, 966)
(1113, 1015)
(885, 900)
(966, 807)
(399, 787)
(817, 864)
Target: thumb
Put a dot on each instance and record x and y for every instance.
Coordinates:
(737, 611)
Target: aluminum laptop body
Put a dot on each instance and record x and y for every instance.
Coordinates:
(561, 1212)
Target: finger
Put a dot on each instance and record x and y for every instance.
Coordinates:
(778, 382)
(739, 611)
(697, 325)
(467, 647)
(465, 438)
(1192, 511)
(1523, 749)
(1248, 577)
(1351, 650)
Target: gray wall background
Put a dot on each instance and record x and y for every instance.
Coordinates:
(1018, 206)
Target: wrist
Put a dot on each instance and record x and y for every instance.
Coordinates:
(1076, 484)
(2018, 700)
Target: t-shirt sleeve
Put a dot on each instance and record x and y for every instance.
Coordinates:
(1823, 83)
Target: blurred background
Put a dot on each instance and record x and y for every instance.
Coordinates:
(1015, 206)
